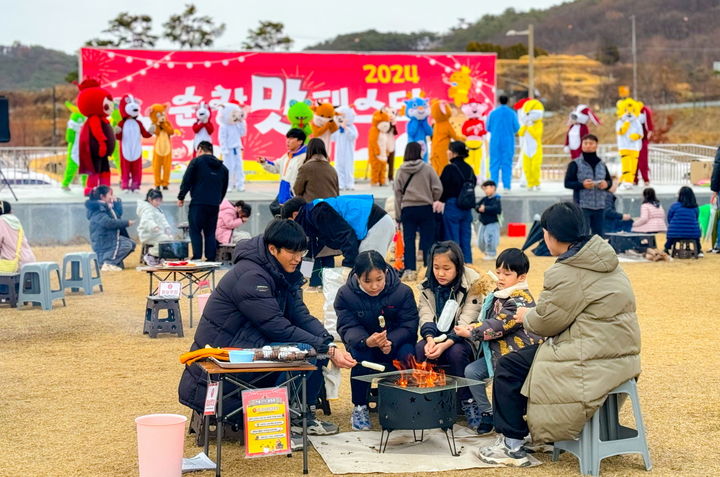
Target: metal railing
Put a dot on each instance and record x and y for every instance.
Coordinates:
(32, 165)
(669, 163)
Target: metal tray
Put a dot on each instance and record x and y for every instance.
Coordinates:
(256, 364)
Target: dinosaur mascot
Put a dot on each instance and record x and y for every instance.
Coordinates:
(643, 164)
(629, 132)
(443, 132)
(418, 129)
(391, 139)
(130, 132)
(97, 138)
(232, 128)
(202, 127)
(323, 123)
(474, 129)
(530, 117)
(74, 125)
(578, 128)
(377, 147)
(115, 119)
(162, 151)
(300, 115)
(345, 138)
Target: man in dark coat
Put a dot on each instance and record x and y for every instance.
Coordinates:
(206, 179)
(258, 303)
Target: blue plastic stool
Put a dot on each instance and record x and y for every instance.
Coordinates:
(84, 272)
(603, 436)
(35, 285)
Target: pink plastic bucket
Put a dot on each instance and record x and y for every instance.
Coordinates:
(160, 444)
(202, 301)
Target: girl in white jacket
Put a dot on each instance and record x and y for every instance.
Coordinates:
(153, 226)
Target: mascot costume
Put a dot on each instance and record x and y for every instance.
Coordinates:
(643, 164)
(418, 129)
(578, 121)
(323, 123)
(377, 147)
(130, 132)
(97, 138)
(300, 115)
(502, 125)
(232, 129)
(345, 138)
(391, 139)
(162, 151)
(202, 127)
(443, 132)
(74, 125)
(115, 119)
(474, 129)
(629, 132)
(530, 116)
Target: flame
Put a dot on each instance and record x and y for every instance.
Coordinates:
(422, 375)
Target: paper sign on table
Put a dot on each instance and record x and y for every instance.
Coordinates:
(211, 399)
(267, 423)
(169, 289)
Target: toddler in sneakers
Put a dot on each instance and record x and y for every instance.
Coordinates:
(496, 330)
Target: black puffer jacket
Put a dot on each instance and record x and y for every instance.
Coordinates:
(255, 304)
(358, 312)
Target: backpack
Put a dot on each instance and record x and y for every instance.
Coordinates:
(466, 198)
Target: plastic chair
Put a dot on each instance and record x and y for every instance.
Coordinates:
(84, 272)
(9, 288)
(35, 285)
(603, 436)
(155, 324)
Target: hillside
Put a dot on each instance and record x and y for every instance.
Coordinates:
(25, 67)
(686, 30)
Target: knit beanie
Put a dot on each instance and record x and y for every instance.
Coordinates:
(565, 221)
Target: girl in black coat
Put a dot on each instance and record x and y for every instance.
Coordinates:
(377, 321)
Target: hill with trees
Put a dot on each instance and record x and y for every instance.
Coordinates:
(33, 67)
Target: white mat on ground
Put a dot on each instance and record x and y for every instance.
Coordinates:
(357, 452)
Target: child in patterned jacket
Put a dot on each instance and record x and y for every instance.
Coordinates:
(496, 330)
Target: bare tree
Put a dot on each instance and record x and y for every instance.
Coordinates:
(190, 30)
(268, 36)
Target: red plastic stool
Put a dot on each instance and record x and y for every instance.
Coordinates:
(516, 229)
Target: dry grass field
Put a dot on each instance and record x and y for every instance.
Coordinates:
(75, 378)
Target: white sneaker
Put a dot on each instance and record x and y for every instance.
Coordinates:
(489, 257)
(109, 267)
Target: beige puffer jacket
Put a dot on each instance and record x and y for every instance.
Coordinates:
(587, 308)
(469, 297)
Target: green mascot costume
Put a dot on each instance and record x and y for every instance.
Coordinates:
(74, 125)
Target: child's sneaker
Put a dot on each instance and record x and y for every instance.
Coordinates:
(486, 424)
(500, 453)
(360, 418)
(472, 413)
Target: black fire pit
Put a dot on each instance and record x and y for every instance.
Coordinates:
(407, 406)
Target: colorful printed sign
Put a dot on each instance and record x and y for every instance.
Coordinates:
(267, 422)
(267, 82)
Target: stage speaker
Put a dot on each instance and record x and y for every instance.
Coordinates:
(4, 120)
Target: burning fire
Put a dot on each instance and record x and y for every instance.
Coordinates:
(422, 375)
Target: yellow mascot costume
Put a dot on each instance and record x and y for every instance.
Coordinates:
(162, 151)
(629, 132)
(530, 116)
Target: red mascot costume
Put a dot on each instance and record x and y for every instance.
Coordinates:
(643, 165)
(97, 138)
(130, 132)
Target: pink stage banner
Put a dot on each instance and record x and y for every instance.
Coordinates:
(268, 81)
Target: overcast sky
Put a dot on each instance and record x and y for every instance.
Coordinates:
(67, 25)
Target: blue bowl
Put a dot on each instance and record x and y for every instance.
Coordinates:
(241, 356)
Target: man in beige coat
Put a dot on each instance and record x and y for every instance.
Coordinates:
(587, 312)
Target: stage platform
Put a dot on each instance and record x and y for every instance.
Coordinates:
(52, 216)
